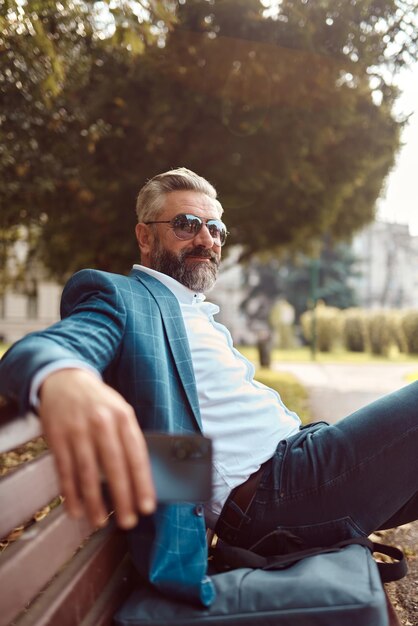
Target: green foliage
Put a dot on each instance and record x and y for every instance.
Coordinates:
(409, 324)
(278, 113)
(392, 329)
(264, 285)
(327, 322)
(282, 316)
(270, 281)
(336, 266)
(54, 55)
(399, 335)
(3, 348)
(355, 336)
(380, 331)
(303, 152)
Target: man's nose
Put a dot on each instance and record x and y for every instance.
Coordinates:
(204, 238)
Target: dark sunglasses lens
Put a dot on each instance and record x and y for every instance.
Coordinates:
(217, 231)
(186, 226)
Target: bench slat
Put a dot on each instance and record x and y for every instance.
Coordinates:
(114, 594)
(74, 596)
(25, 490)
(29, 563)
(18, 431)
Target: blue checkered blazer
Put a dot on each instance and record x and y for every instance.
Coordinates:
(131, 330)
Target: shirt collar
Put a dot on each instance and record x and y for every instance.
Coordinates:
(183, 294)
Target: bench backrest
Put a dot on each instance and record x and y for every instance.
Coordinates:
(90, 571)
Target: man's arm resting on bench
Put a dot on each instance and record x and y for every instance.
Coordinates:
(91, 430)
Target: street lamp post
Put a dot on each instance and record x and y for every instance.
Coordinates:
(313, 296)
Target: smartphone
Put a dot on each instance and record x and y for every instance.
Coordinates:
(181, 466)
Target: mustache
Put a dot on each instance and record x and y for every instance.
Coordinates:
(202, 253)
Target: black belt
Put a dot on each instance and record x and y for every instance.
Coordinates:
(242, 496)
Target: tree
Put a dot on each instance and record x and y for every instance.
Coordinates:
(290, 116)
(290, 279)
(306, 147)
(37, 57)
(336, 267)
(50, 50)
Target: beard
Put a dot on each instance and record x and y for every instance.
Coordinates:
(198, 276)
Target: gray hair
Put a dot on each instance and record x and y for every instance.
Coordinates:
(149, 202)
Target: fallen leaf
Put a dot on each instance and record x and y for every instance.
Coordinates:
(15, 534)
(41, 514)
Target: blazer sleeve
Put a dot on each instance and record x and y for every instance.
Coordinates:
(91, 329)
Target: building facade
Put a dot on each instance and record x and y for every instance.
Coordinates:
(21, 313)
(387, 265)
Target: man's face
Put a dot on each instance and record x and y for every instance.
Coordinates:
(194, 262)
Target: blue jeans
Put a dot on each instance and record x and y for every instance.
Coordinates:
(327, 482)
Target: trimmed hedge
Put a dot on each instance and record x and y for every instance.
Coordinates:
(355, 335)
(409, 325)
(328, 327)
(398, 333)
(380, 332)
(359, 330)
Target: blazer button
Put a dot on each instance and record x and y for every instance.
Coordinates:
(199, 511)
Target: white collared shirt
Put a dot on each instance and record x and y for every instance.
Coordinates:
(244, 418)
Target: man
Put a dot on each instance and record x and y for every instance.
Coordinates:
(145, 352)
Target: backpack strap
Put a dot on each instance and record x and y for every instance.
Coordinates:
(388, 571)
(226, 557)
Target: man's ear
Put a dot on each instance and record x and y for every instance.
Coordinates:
(144, 238)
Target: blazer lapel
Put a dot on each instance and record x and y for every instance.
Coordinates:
(176, 334)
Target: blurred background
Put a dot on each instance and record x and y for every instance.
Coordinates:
(300, 112)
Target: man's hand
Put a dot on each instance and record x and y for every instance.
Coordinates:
(93, 431)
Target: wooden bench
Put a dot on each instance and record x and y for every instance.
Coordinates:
(59, 572)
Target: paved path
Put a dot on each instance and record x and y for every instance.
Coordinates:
(336, 390)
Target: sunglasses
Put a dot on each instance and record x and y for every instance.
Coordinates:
(186, 226)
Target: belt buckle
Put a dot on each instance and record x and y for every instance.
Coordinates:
(211, 538)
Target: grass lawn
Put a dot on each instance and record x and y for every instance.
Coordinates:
(338, 356)
(412, 377)
(3, 348)
(292, 393)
